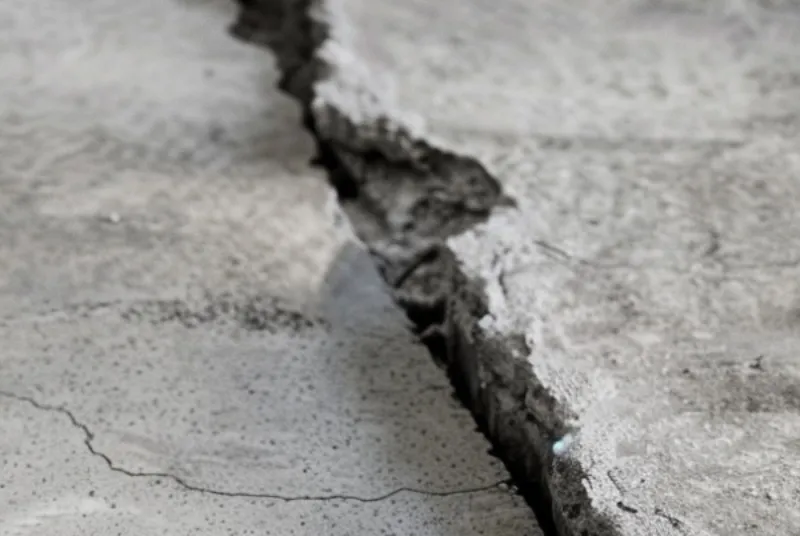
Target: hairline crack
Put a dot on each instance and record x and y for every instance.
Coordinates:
(88, 437)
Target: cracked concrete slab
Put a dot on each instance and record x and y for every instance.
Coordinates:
(643, 292)
(67, 491)
(194, 341)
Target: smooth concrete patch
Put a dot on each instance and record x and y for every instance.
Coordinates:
(194, 342)
(651, 264)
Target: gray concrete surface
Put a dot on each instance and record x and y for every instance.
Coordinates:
(193, 341)
(651, 264)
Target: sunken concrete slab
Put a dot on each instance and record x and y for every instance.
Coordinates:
(643, 293)
(193, 340)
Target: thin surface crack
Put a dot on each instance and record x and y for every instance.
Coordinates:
(674, 521)
(88, 436)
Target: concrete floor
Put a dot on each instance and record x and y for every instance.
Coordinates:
(193, 342)
(651, 263)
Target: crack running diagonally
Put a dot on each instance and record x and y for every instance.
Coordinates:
(88, 436)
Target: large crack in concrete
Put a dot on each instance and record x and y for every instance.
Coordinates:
(88, 438)
(404, 198)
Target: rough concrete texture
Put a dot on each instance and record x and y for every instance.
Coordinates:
(643, 293)
(193, 340)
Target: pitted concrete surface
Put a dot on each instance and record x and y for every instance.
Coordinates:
(193, 341)
(651, 263)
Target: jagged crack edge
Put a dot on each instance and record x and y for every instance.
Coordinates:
(88, 437)
(303, 69)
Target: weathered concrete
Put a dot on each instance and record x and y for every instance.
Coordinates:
(648, 276)
(193, 340)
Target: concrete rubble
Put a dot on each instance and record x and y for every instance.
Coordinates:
(194, 341)
(639, 297)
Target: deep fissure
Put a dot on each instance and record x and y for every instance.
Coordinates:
(406, 235)
(429, 317)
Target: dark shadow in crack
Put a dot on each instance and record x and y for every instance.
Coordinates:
(399, 403)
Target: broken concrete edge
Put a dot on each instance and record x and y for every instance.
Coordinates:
(489, 371)
(517, 412)
(319, 68)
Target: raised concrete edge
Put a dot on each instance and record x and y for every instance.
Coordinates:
(346, 107)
